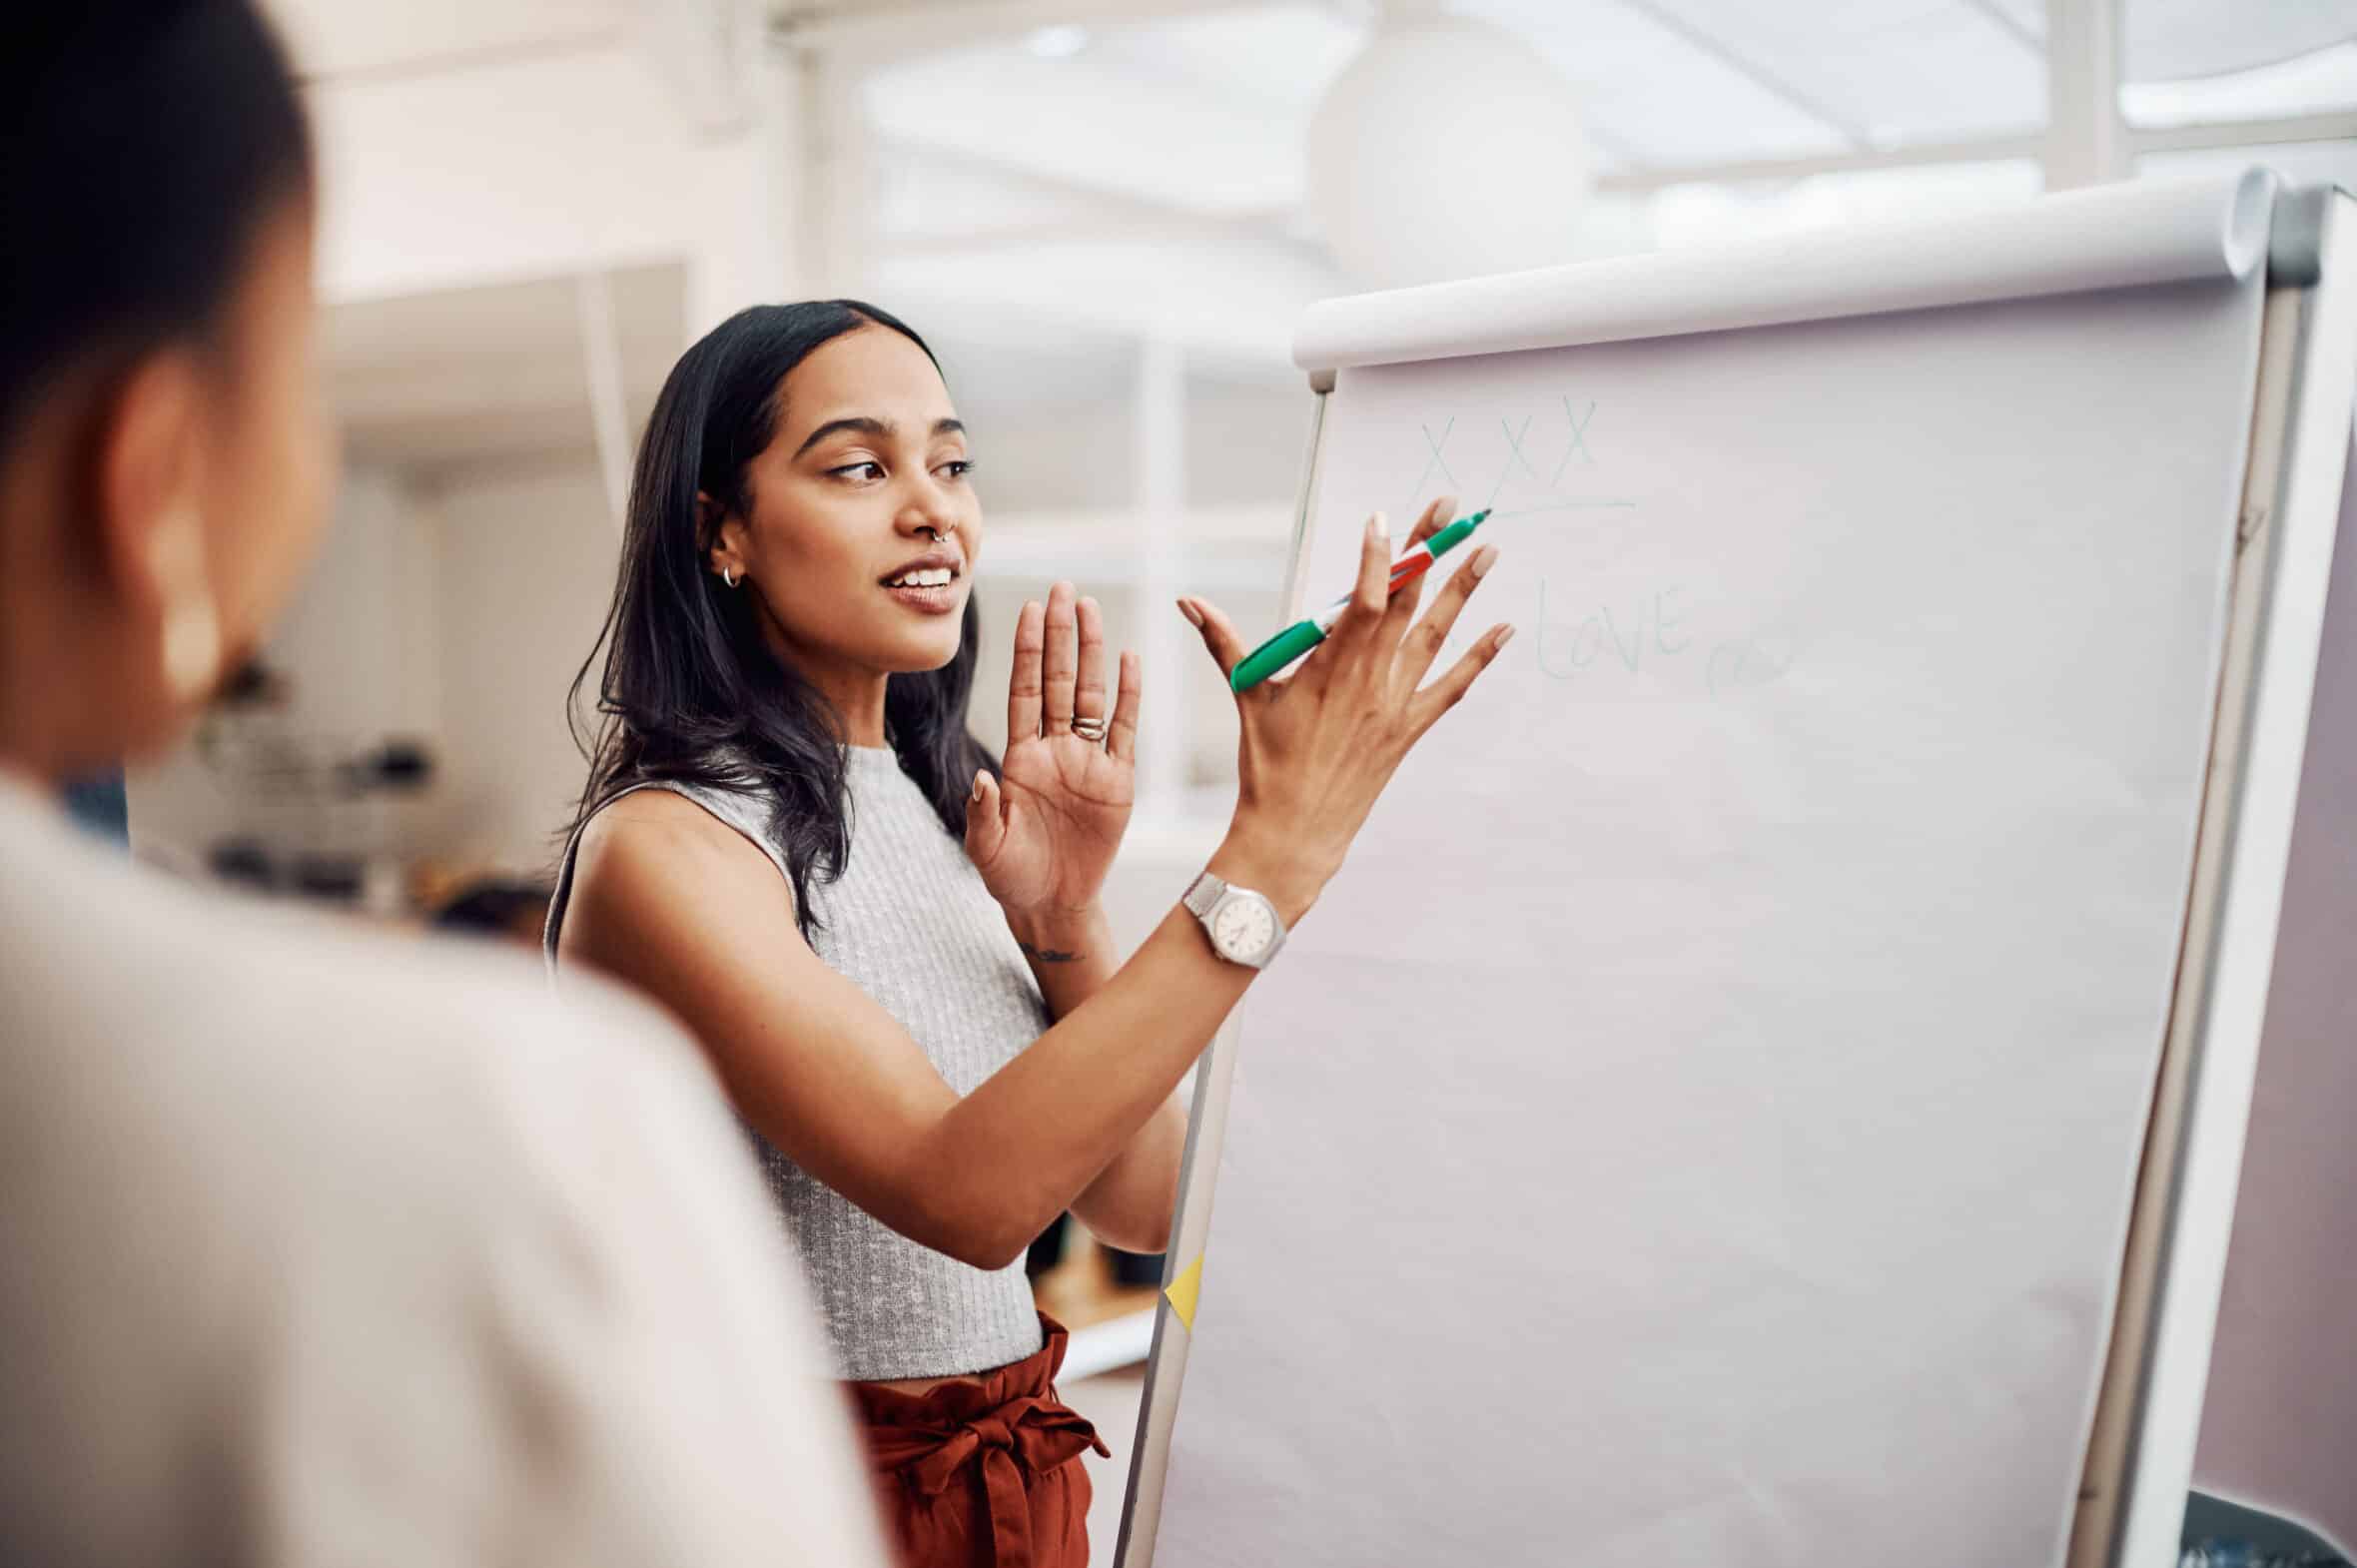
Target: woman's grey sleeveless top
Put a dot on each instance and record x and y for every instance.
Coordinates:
(910, 923)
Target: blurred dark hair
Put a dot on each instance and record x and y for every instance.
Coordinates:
(689, 690)
(142, 143)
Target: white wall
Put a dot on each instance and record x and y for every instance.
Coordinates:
(458, 608)
(355, 650)
(358, 643)
(526, 561)
(456, 613)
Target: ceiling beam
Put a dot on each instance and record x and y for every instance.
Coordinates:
(1987, 149)
(886, 29)
(1102, 212)
(1124, 204)
(1977, 150)
(591, 39)
(1178, 227)
(2245, 133)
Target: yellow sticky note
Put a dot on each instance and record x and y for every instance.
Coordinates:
(1185, 1290)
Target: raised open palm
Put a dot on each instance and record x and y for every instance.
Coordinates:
(1043, 836)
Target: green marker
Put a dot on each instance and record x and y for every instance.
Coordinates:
(1302, 636)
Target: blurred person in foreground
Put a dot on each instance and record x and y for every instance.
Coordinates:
(314, 1246)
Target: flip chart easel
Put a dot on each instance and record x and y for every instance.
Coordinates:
(1812, 1127)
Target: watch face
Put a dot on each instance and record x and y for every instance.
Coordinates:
(1243, 927)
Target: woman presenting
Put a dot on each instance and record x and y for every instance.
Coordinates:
(892, 946)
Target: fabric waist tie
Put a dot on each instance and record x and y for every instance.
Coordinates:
(1008, 1425)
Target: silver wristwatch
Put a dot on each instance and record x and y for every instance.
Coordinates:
(1242, 924)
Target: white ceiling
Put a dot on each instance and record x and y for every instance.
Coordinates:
(1147, 173)
(1198, 108)
(345, 38)
(1207, 113)
(1148, 163)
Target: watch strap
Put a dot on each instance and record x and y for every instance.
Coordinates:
(1203, 895)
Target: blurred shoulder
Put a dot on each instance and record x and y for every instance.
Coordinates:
(142, 1000)
(347, 1213)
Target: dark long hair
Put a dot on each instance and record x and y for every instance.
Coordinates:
(142, 143)
(689, 691)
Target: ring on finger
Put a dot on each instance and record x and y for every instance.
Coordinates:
(1088, 729)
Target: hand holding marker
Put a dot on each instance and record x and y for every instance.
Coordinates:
(1302, 636)
(1316, 750)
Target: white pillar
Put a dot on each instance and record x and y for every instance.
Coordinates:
(836, 215)
(1159, 443)
(747, 184)
(2087, 143)
(602, 362)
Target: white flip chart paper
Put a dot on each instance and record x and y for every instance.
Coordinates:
(1699, 1125)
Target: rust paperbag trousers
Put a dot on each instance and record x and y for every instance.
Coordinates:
(983, 1474)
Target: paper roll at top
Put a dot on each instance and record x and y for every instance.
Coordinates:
(2109, 237)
